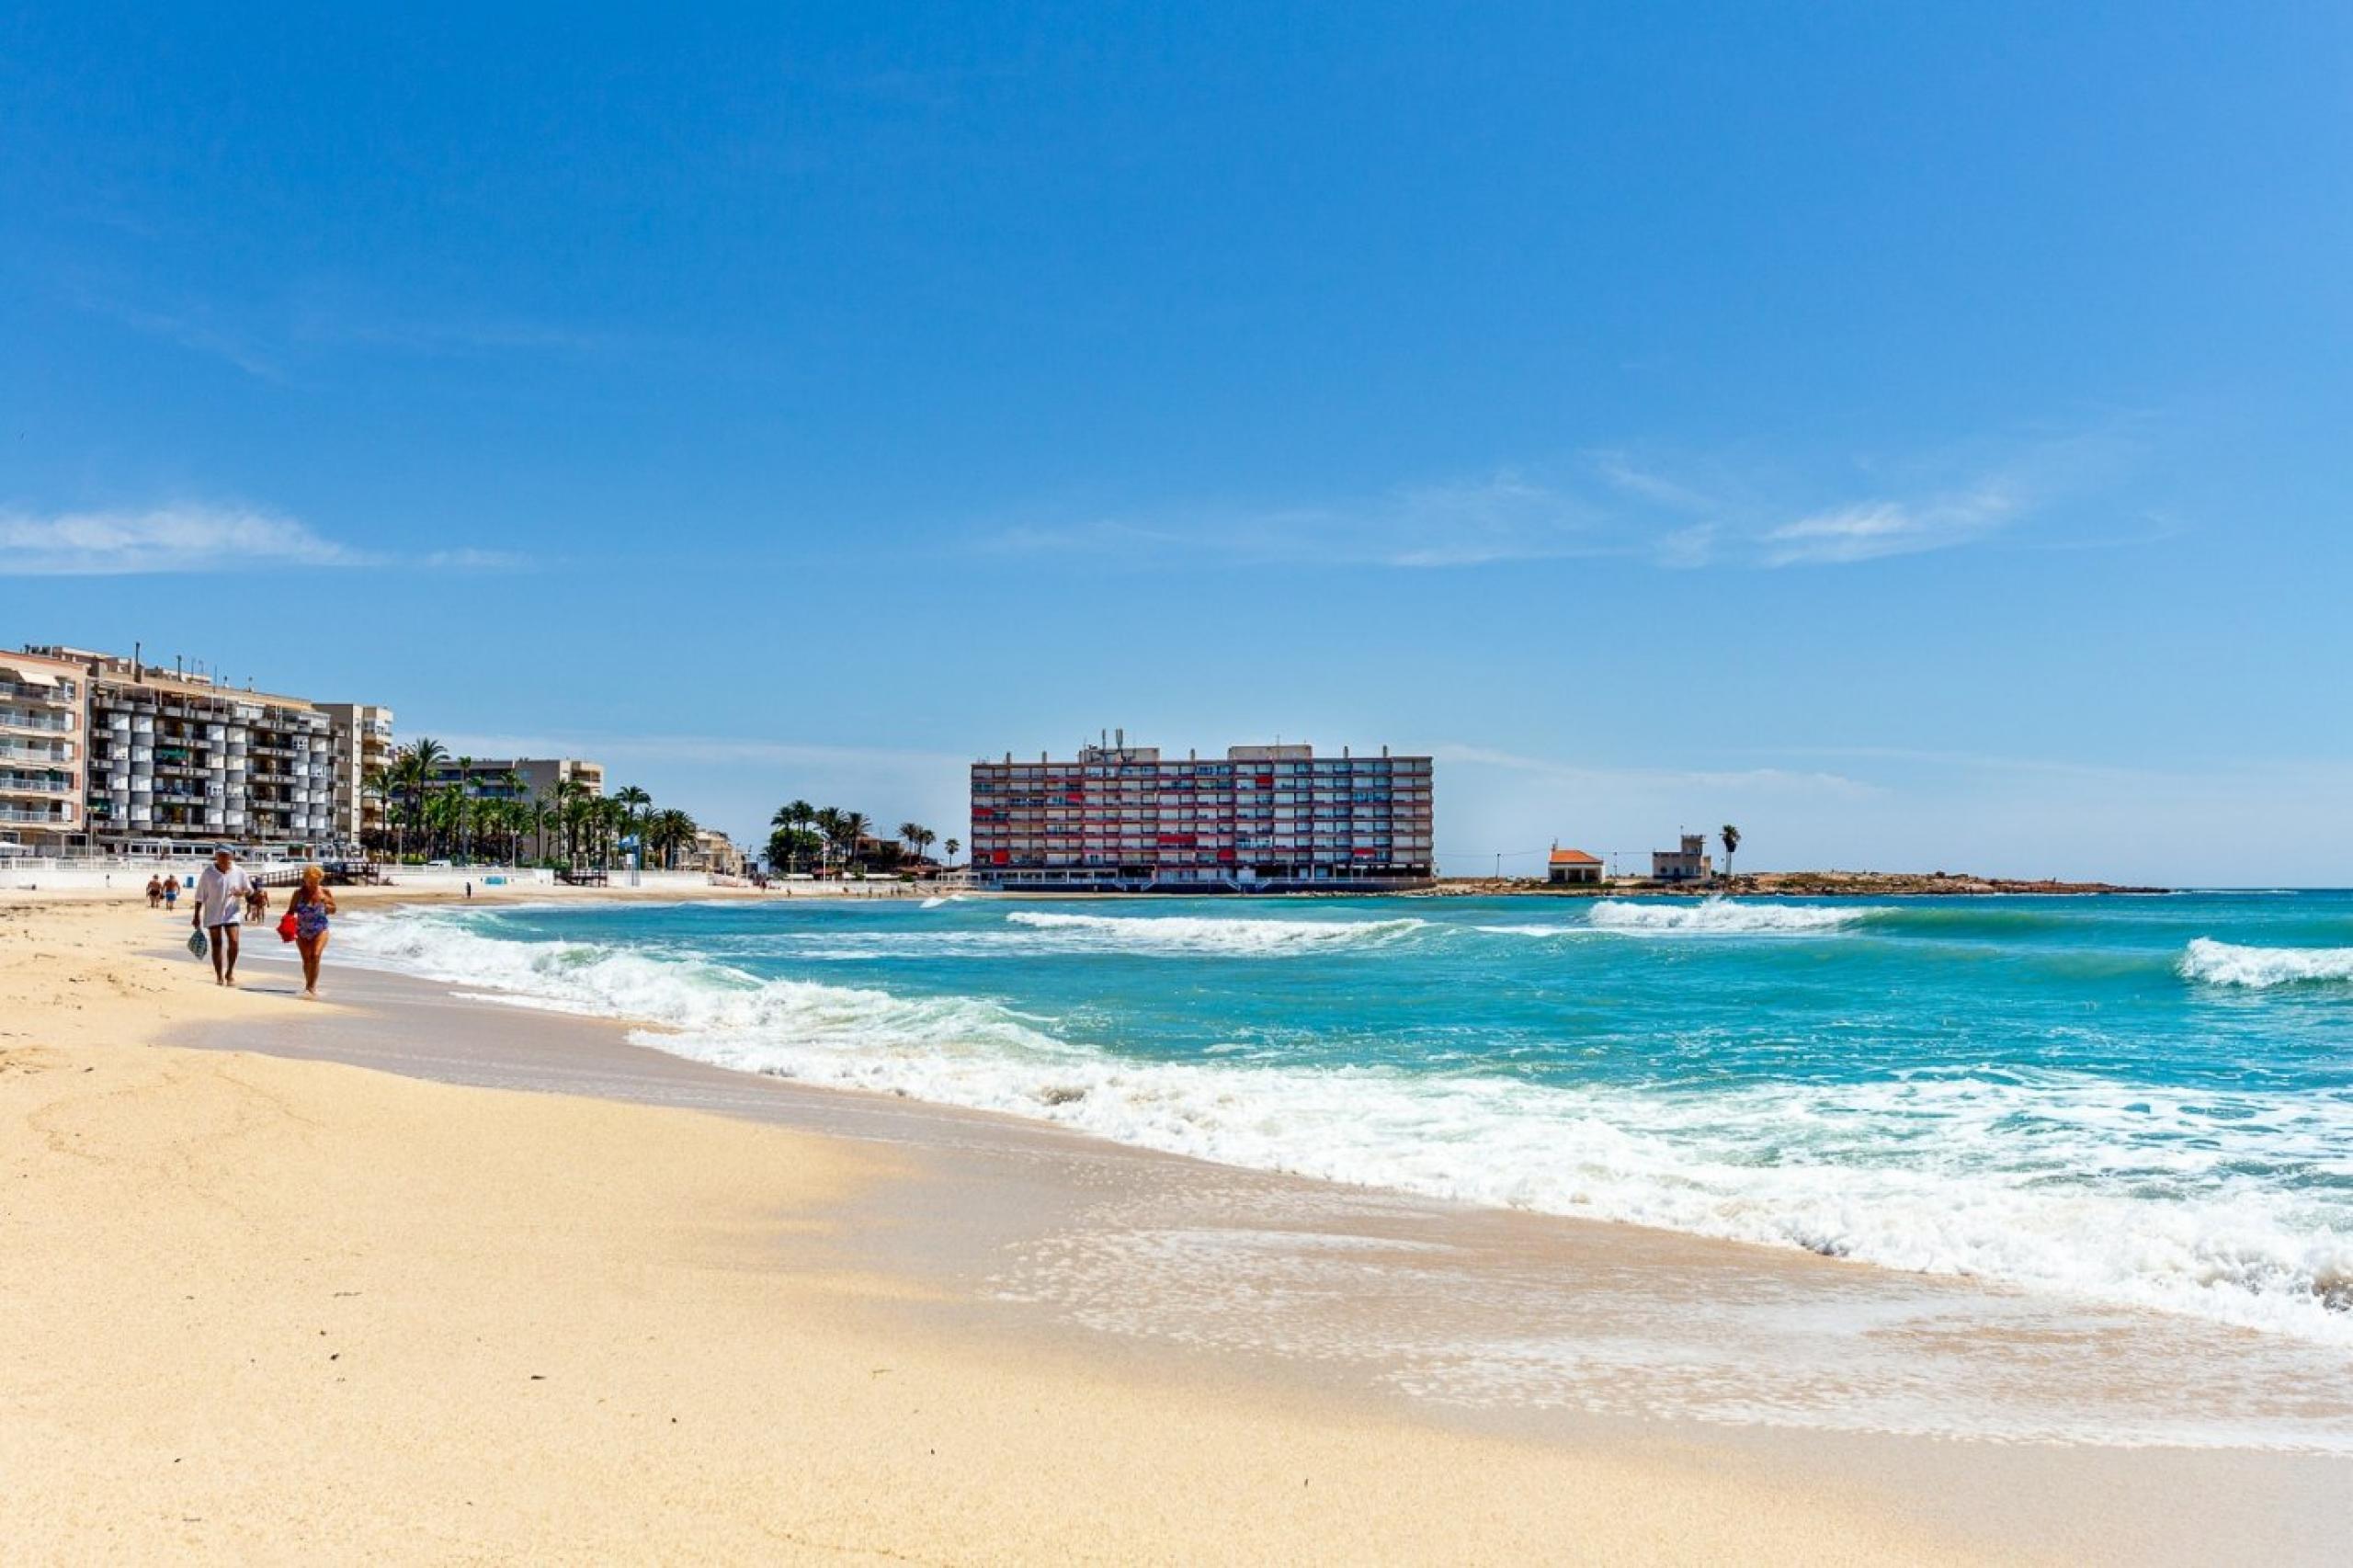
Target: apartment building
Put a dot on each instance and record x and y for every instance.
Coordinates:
(485, 777)
(44, 746)
(363, 745)
(1262, 818)
(176, 757)
(713, 852)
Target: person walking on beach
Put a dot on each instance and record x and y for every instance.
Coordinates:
(220, 892)
(311, 906)
(171, 892)
(257, 901)
(154, 892)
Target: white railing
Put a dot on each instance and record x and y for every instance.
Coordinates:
(27, 718)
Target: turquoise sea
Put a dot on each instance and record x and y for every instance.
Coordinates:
(2146, 1100)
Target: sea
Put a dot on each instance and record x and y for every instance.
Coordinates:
(2139, 1100)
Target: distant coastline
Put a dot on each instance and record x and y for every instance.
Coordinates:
(1786, 885)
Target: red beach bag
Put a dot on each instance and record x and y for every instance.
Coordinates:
(286, 926)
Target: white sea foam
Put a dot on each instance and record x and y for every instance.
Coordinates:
(1726, 917)
(2121, 1193)
(1196, 935)
(2228, 963)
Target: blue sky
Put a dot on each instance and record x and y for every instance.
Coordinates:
(1921, 434)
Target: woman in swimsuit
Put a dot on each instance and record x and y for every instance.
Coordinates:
(311, 906)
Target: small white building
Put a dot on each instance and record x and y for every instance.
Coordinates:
(1573, 866)
(1688, 864)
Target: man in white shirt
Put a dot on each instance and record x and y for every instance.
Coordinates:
(220, 892)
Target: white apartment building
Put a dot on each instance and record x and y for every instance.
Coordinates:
(43, 749)
(177, 758)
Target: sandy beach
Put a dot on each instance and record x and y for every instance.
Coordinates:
(425, 1279)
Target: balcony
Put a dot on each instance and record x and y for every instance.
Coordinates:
(61, 785)
(61, 695)
(35, 817)
(35, 719)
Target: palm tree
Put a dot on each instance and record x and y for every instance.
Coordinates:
(571, 813)
(952, 846)
(668, 831)
(637, 811)
(913, 834)
(923, 839)
(608, 813)
(853, 827)
(465, 809)
(380, 783)
(419, 762)
(534, 814)
(797, 815)
(829, 828)
(1731, 842)
(510, 787)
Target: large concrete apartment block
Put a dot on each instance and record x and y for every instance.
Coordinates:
(177, 759)
(1263, 818)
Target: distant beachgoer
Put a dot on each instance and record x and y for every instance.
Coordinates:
(470, 890)
(257, 901)
(154, 892)
(171, 892)
(220, 894)
(311, 906)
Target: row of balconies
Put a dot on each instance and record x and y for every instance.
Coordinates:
(55, 816)
(1137, 841)
(35, 719)
(16, 781)
(1034, 818)
(61, 695)
(16, 749)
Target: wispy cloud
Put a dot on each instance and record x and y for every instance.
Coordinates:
(182, 538)
(1500, 516)
(1871, 530)
(195, 329)
(1611, 504)
(189, 537)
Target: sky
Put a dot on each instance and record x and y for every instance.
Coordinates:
(1920, 434)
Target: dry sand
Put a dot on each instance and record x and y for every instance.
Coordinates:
(257, 1309)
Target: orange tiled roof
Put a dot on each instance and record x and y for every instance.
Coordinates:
(1574, 857)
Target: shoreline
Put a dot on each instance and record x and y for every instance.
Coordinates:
(985, 1237)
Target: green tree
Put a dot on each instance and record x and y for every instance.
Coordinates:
(380, 784)
(853, 828)
(1732, 843)
(952, 846)
(636, 811)
(792, 818)
(419, 762)
(667, 832)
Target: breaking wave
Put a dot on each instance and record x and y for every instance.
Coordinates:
(2227, 964)
(2120, 1193)
(1727, 917)
(1200, 935)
